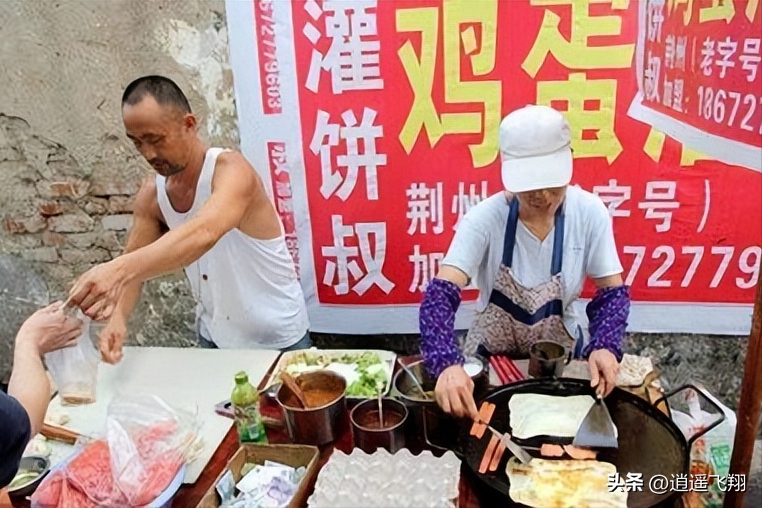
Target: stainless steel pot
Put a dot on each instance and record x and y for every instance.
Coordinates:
(320, 425)
(436, 429)
(370, 433)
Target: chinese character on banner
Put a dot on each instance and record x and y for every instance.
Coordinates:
(678, 87)
(707, 56)
(751, 58)
(462, 202)
(463, 45)
(353, 56)
(328, 135)
(425, 267)
(718, 10)
(652, 77)
(614, 195)
(655, 19)
(577, 52)
(660, 203)
(424, 205)
(341, 259)
(590, 104)
(680, 52)
(726, 49)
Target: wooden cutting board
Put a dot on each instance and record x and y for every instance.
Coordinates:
(188, 378)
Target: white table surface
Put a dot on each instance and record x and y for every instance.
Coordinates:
(186, 378)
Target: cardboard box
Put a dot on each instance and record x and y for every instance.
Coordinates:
(290, 455)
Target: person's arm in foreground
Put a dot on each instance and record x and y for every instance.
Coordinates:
(609, 309)
(439, 345)
(46, 330)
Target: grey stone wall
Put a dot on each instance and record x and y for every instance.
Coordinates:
(67, 172)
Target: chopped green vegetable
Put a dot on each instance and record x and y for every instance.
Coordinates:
(368, 384)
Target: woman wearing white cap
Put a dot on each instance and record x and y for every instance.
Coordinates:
(528, 250)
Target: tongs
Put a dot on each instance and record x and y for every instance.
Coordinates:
(505, 438)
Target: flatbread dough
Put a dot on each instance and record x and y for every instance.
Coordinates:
(633, 370)
(563, 484)
(534, 415)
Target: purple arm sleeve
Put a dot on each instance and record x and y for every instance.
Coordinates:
(608, 312)
(439, 346)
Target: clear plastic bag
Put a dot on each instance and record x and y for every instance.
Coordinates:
(149, 441)
(75, 369)
(710, 454)
(141, 456)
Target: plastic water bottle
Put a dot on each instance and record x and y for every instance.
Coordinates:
(248, 419)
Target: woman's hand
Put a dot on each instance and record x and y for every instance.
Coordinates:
(604, 368)
(455, 393)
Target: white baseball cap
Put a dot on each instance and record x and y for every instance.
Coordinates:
(535, 146)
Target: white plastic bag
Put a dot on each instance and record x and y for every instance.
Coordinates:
(75, 369)
(710, 454)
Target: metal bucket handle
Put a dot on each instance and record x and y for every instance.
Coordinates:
(665, 398)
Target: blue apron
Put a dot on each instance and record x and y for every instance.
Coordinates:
(517, 316)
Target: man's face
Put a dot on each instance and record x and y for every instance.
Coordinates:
(162, 134)
(542, 200)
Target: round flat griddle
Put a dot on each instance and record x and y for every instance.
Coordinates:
(649, 442)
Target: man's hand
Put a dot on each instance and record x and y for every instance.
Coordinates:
(603, 371)
(112, 340)
(49, 329)
(455, 393)
(98, 290)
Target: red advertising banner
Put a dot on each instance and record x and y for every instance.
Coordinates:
(699, 72)
(398, 104)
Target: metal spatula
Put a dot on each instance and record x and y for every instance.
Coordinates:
(597, 429)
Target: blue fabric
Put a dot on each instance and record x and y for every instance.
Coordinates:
(439, 345)
(15, 433)
(608, 312)
(551, 308)
(304, 343)
(510, 237)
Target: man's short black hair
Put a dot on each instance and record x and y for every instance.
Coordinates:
(163, 90)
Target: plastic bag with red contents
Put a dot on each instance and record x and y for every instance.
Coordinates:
(148, 441)
(145, 445)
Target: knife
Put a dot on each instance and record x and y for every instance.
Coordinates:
(515, 449)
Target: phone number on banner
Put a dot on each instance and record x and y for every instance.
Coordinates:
(731, 108)
(748, 261)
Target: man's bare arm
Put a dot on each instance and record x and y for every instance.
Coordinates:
(147, 227)
(234, 185)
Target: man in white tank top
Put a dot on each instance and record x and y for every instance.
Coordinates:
(206, 211)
